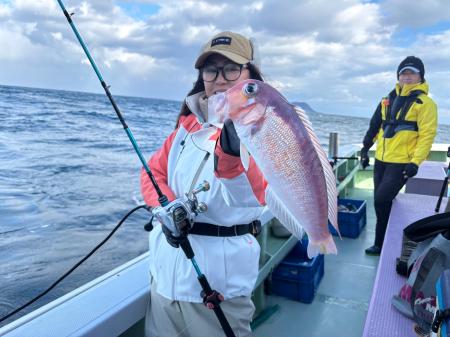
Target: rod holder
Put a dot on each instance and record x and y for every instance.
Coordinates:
(333, 145)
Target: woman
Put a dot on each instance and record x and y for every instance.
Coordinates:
(225, 248)
(404, 126)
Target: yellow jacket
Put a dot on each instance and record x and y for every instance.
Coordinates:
(408, 146)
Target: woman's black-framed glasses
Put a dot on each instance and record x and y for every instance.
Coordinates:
(230, 72)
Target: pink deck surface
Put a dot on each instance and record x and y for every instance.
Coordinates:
(432, 170)
(383, 320)
(428, 180)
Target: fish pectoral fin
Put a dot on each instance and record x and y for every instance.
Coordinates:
(245, 157)
(282, 214)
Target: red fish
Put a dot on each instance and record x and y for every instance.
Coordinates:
(301, 189)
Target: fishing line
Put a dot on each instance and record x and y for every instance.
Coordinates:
(76, 265)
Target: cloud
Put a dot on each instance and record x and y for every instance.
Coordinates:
(416, 14)
(5, 10)
(341, 55)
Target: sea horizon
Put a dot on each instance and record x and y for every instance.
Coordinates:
(445, 122)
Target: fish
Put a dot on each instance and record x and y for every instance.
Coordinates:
(301, 191)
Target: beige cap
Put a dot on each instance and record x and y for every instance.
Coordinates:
(233, 46)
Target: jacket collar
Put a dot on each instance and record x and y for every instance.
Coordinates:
(204, 138)
(193, 104)
(407, 88)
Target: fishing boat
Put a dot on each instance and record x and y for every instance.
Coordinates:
(115, 303)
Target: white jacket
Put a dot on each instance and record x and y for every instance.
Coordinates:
(229, 263)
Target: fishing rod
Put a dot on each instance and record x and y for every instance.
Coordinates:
(161, 197)
(336, 158)
(179, 210)
(444, 185)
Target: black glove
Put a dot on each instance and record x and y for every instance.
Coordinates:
(410, 170)
(229, 140)
(174, 241)
(212, 300)
(364, 157)
(176, 220)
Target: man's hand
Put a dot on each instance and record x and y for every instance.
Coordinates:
(364, 157)
(410, 170)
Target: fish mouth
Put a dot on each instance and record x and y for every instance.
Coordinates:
(217, 111)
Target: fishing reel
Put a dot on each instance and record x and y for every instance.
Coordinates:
(178, 216)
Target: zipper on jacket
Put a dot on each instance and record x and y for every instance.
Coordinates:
(183, 143)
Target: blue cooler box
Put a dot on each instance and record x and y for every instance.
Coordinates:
(351, 223)
(298, 277)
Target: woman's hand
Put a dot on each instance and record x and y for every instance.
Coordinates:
(229, 140)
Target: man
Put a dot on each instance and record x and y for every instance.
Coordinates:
(404, 126)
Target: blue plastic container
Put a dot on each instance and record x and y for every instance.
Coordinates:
(299, 251)
(351, 223)
(298, 277)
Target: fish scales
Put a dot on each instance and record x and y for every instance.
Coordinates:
(292, 163)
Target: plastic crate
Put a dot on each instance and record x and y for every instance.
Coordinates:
(298, 277)
(351, 223)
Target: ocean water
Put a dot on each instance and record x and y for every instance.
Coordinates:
(68, 174)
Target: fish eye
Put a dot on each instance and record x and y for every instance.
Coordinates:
(250, 89)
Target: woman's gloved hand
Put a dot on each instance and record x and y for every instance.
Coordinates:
(172, 240)
(176, 220)
(410, 170)
(229, 140)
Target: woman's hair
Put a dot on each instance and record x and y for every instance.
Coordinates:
(199, 86)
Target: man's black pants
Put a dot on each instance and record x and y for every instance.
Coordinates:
(388, 180)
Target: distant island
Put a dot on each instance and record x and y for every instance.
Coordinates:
(305, 106)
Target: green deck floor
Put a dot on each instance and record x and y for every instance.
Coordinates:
(342, 300)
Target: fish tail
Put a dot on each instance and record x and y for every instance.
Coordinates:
(325, 246)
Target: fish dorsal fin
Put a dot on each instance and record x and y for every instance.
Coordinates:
(327, 170)
(279, 210)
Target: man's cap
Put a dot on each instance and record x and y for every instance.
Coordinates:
(233, 46)
(412, 63)
(413, 69)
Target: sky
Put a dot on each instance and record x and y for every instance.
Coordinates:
(339, 56)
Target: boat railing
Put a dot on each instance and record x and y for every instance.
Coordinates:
(106, 306)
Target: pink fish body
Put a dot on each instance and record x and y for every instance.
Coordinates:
(301, 189)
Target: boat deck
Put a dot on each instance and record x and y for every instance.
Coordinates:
(342, 299)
